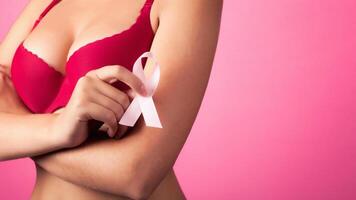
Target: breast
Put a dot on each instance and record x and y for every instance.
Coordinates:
(44, 90)
(35, 82)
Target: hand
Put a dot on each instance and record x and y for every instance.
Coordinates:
(95, 98)
(122, 128)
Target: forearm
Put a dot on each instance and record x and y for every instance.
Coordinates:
(106, 165)
(132, 166)
(22, 133)
(25, 135)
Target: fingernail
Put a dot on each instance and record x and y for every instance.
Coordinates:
(111, 133)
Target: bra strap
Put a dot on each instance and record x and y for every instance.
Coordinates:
(44, 13)
(150, 2)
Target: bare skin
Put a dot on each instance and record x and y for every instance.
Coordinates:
(52, 187)
(140, 165)
(49, 186)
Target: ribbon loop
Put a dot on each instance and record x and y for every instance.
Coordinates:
(141, 104)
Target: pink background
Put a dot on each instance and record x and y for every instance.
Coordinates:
(278, 119)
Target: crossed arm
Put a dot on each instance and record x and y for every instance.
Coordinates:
(185, 45)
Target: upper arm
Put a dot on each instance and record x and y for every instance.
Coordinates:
(184, 45)
(19, 30)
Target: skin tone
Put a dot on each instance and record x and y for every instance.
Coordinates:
(92, 98)
(139, 165)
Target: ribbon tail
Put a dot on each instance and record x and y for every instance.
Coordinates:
(149, 112)
(131, 114)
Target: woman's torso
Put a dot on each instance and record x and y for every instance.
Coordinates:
(66, 42)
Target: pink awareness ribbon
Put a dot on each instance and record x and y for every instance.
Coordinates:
(144, 104)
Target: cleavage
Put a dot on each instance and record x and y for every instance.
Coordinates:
(63, 30)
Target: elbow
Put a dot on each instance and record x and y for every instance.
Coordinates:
(137, 191)
(139, 185)
(140, 188)
(144, 180)
(139, 194)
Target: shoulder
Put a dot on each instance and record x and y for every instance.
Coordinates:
(37, 6)
(20, 28)
(184, 5)
(195, 10)
(32, 11)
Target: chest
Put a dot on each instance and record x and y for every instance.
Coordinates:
(59, 51)
(71, 25)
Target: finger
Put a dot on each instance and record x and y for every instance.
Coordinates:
(113, 93)
(104, 128)
(121, 132)
(104, 115)
(131, 94)
(108, 73)
(108, 103)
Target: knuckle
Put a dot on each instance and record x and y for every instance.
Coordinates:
(118, 69)
(90, 73)
(82, 80)
(136, 81)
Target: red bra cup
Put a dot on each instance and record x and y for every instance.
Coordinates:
(43, 89)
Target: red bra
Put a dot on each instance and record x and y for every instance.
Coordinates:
(43, 89)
